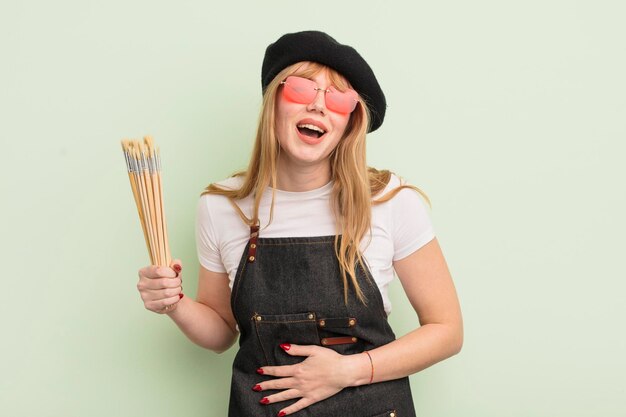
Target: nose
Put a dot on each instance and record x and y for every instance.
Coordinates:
(319, 103)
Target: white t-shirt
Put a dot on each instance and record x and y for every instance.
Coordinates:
(400, 226)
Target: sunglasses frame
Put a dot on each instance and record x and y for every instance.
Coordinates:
(326, 91)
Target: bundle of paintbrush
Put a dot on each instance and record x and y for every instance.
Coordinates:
(144, 171)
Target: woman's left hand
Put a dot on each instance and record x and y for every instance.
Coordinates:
(321, 375)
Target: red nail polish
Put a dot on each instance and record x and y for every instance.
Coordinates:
(177, 268)
(260, 371)
(264, 400)
(282, 414)
(285, 346)
(181, 295)
(257, 388)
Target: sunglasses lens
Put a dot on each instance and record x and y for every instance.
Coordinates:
(341, 102)
(299, 90)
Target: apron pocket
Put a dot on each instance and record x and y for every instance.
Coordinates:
(274, 329)
(390, 413)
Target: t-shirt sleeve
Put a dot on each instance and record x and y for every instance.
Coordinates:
(412, 225)
(207, 244)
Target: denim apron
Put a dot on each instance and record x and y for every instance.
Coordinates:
(289, 290)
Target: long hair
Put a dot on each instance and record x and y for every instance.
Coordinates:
(354, 182)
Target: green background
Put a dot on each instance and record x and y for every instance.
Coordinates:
(510, 115)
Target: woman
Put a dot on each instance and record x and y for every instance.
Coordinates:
(297, 251)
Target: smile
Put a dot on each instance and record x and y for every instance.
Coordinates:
(311, 130)
(309, 136)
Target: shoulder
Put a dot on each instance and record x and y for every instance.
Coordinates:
(217, 215)
(399, 192)
(217, 203)
(410, 222)
(230, 183)
(394, 181)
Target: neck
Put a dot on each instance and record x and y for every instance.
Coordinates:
(303, 177)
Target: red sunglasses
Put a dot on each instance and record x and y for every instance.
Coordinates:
(303, 91)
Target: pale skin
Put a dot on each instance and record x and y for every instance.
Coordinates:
(208, 321)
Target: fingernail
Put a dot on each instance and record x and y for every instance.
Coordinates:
(177, 268)
(260, 371)
(282, 414)
(285, 346)
(264, 400)
(181, 295)
(257, 388)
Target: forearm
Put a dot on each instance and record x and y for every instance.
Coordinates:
(417, 350)
(202, 325)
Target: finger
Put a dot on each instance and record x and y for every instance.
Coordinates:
(166, 272)
(285, 370)
(149, 272)
(289, 394)
(281, 383)
(297, 406)
(155, 272)
(158, 284)
(154, 295)
(299, 350)
(177, 266)
(159, 305)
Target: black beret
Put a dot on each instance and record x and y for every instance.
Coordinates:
(319, 47)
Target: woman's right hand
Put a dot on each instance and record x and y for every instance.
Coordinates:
(161, 287)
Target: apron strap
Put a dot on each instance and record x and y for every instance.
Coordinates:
(254, 234)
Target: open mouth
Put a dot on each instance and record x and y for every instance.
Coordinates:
(310, 130)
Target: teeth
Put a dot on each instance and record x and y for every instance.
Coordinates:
(312, 127)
